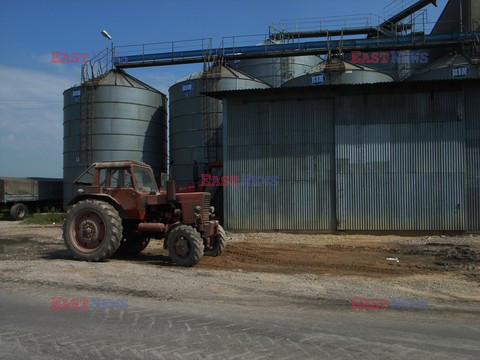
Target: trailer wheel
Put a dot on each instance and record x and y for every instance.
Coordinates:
(218, 243)
(18, 212)
(185, 246)
(92, 230)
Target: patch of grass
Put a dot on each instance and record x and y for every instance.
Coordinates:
(4, 214)
(49, 218)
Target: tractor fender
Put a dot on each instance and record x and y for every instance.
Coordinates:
(170, 228)
(101, 197)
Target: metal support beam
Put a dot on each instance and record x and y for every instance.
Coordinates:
(407, 12)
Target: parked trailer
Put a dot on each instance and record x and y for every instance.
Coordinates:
(20, 195)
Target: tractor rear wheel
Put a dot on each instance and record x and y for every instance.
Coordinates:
(217, 244)
(185, 246)
(132, 242)
(92, 230)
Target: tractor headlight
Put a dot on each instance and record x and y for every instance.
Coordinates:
(198, 209)
(212, 210)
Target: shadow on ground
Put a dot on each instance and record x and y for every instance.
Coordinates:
(142, 258)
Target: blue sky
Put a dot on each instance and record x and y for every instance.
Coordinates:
(31, 86)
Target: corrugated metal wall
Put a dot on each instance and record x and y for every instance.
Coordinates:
(400, 176)
(400, 161)
(262, 142)
(397, 158)
(472, 145)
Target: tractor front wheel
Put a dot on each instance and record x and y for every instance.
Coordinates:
(217, 243)
(185, 246)
(92, 230)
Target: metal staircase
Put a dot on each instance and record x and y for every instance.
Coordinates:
(87, 113)
(211, 107)
(93, 71)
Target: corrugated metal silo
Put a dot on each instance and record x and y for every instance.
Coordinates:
(196, 120)
(113, 117)
(397, 64)
(267, 69)
(337, 72)
(449, 67)
(275, 71)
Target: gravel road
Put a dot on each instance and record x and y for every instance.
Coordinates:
(262, 281)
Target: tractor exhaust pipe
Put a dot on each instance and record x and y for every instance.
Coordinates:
(171, 191)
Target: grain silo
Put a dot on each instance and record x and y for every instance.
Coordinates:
(337, 72)
(113, 117)
(196, 120)
(455, 66)
(275, 71)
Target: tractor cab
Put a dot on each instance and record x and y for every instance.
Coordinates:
(121, 174)
(127, 182)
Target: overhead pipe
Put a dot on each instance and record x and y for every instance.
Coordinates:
(297, 49)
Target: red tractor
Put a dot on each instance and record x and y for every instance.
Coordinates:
(119, 207)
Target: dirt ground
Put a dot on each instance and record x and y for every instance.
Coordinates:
(366, 255)
(326, 267)
(376, 256)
